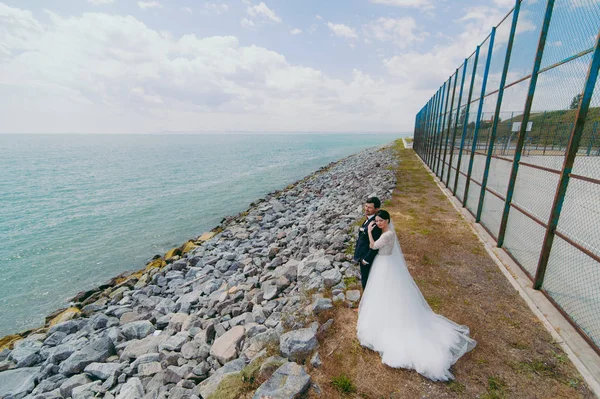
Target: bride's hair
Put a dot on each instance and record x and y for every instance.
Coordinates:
(383, 214)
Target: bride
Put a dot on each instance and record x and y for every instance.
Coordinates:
(395, 320)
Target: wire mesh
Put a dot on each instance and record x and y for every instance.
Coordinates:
(572, 281)
(523, 240)
(492, 213)
(555, 104)
(572, 276)
(499, 54)
(479, 72)
(535, 190)
(527, 35)
(572, 30)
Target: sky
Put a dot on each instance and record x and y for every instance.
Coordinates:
(151, 66)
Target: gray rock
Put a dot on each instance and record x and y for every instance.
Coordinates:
(289, 270)
(288, 382)
(315, 360)
(99, 321)
(102, 371)
(208, 386)
(298, 344)
(55, 339)
(17, 383)
(331, 277)
(68, 327)
(148, 369)
(195, 350)
(353, 295)
(133, 389)
(258, 314)
(66, 388)
(202, 369)
(137, 348)
(147, 358)
(174, 343)
(137, 329)
(269, 365)
(227, 346)
(97, 350)
(321, 304)
(87, 391)
(270, 290)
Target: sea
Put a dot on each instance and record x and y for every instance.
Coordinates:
(77, 209)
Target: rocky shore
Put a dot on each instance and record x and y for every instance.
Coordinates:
(231, 313)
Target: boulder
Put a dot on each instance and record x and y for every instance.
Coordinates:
(132, 389)
(353, 296)
(148, 369)
(102, 371)
(321, 304)
(270, 290)
(98, 350)
(137, 348)
(298, 344)
(209, 386)
(289, 381)
(17, 383)
(331, 277)
(227, 346)
(137, 329)
(66, 388)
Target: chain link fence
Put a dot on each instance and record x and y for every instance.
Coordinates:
(514, 133)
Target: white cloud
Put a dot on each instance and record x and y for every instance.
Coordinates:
(505, 4)
(401, 31)
(98, 73)
(149, 4)
(262, 11)
(218, 8)
(341, 30)
(247, 23)
(188, 10)
(296, 31)
(100, 2)
(318, 17)
(423, 4)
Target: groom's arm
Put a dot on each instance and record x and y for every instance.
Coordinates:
(372, 252)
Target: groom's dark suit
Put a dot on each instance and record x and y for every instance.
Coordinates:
(362, 250)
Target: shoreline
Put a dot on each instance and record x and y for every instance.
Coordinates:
(199, 267)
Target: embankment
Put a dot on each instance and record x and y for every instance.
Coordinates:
(228, 313)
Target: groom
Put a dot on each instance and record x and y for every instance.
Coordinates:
(363, 254)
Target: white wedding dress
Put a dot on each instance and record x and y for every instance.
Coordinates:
(395, 320)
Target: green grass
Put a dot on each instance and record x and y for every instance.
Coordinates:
(495, 389)
(435, 302)
(351, 281)
(456, 386)
(343, 384)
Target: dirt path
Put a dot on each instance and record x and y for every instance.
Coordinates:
(515, 357)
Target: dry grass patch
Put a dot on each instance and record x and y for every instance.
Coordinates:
(515, 355)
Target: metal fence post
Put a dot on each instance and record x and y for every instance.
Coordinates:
(466, 121)
(443, 128)
(572, 149)
(488, 159)
(432, 128)
(479, 111)
(449, 126)
(523, 130)
(462, 83)
(438, 128)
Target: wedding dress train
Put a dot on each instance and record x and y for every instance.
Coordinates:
(395, 320)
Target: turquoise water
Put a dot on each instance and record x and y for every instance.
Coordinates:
(76, 210)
